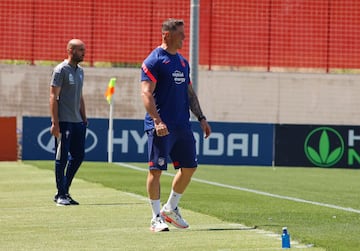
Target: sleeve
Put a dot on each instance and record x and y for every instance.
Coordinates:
(56, 78)
(149, 69)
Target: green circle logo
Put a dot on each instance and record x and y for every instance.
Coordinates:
(324, 146)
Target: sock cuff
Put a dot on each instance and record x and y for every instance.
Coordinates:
(175, 193)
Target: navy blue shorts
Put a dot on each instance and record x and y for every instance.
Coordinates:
(179, 145)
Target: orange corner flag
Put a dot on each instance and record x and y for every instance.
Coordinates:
(110, 90)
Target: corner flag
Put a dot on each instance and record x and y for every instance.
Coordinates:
(110, 90)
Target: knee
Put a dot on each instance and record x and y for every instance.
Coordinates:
(80, 155)
(155, 174)
(77, 159)
(188, 171)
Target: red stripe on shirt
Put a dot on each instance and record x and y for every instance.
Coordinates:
(148, 73)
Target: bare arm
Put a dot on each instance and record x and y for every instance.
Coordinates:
(54, 112)
(83, 110)
(147, 89)
(194, 102)
(196, 110)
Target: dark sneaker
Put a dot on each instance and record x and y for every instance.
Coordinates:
(55, 197)
(71, 200)
(62, 201)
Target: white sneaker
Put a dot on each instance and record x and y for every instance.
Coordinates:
(174, 217)
(158, 225)
(62, 201)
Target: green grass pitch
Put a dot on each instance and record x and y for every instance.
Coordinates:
(227, 207)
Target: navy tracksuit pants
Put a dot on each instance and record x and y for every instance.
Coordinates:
(69, 154)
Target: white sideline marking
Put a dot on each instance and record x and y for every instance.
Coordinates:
(347, 209)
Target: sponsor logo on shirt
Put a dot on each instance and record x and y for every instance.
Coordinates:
(179, 77)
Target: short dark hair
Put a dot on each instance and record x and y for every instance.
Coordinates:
(171, 24)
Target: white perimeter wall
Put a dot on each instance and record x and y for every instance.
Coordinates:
(296, 98)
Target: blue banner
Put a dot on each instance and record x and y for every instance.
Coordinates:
(229, 143)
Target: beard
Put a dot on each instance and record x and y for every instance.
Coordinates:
(78, 58)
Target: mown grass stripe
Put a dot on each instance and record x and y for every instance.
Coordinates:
(346, 209)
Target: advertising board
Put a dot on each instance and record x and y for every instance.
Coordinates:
(229, 143)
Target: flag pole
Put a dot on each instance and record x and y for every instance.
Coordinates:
(109, 97)
(110, 132)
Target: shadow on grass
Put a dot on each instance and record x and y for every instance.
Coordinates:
(112, 204)
(227, 229)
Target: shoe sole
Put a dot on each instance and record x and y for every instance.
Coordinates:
(172, 222)
(62, 205)
(161, 230)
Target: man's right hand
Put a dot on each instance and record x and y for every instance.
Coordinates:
(55, 130)
(161, 129)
